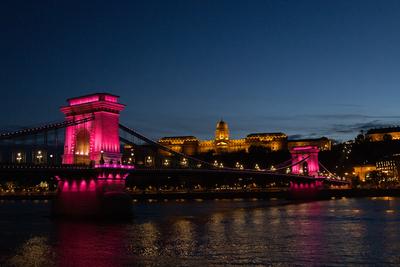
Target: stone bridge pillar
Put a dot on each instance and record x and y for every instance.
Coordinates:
(95, 139)
(308, 158)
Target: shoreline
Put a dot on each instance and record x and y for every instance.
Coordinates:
(264, 195)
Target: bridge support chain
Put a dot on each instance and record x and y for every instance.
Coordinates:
(100, 195)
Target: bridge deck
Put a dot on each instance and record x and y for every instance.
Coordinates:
(90, 171)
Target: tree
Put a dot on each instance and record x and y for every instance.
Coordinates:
(387, 137)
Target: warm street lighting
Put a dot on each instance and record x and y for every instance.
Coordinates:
(215, 163)
(19, 157)
(184, 162)
(39, 156)
(166, 162)
(149, 160)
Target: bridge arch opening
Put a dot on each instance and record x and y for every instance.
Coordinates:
(82, 147)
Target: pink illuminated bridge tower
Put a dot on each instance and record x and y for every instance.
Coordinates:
(94, 142)
(305, 162)
(95, 139)
(307, 159)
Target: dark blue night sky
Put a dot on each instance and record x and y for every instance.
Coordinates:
(306, 68)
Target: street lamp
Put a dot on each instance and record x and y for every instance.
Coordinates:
(19, 157)
(184, 162)
(39, 156)
(149, 161)
(166, 162)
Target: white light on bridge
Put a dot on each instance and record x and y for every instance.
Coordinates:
(166, 162)
(184, 162)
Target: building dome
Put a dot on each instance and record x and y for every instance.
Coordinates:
(222, 131)
(221, 125)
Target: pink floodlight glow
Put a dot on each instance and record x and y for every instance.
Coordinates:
(83, 100)
(74, 187)
(92, 185)
(111, 98)
(82, 186)
(95, 139)
(304, 148)
(65, 186)
(114, 166)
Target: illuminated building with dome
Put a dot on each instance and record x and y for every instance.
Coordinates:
(222, 143)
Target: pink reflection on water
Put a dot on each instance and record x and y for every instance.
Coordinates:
(80, 244)
(65, 186)
(92, 185)
(82, 186)
(74, 187)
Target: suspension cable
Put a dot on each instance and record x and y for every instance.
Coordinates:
(43, 128)
(167, 149)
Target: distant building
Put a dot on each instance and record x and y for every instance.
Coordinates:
(390, 167)
(222, 143)
(323, 143)
(362, 171)
(381, 134)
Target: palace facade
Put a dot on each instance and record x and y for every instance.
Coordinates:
(382, 134)
(222, 143)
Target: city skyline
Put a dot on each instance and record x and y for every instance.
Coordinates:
(307, 69)
(199, 132)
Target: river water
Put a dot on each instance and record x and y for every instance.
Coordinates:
(209, 233)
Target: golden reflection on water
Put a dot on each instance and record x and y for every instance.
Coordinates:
(184, 237)
(387, 198)
(149, 236)
(257, 217)
(238, 217)
(223, 233)
(35, 252)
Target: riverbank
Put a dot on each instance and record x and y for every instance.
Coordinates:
(267, 195)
